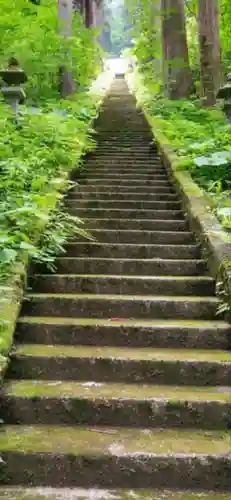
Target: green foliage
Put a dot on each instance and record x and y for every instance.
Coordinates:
(36, 159)
(116, 27)
(146, 18)
(37, 154)
(225, 30)
(32, 34)
(201, 140)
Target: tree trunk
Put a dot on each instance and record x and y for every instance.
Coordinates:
(210, 52)
(165, 44)
(65, 9)
(177, 73)
(89, 21)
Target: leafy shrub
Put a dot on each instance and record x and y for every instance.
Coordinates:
(31, 33)
(33, 172)
(201, 140)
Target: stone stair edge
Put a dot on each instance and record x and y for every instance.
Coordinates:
(196, 204)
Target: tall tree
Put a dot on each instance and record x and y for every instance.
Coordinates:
(177, 73)
(210, 53)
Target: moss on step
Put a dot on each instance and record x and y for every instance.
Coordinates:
(97, 321)
(136, 298)
(9, 309)
(159, 323)
(111, 441)
(59, 389)
(120, 277)
(124, 353)
(96, 494)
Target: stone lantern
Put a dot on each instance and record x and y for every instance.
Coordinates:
(13, 77)
(225, 94)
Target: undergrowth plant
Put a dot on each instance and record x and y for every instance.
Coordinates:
(36, 158)
(50, 137)
(201, 139)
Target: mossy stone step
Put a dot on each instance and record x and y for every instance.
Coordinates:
(145, 267)
(119, 284)
(130, 365)
(125, 151)
(124, 187)
(92, 403)
(141, 236)
(11, 493)
(125, 306)
(112, 170)
(136, 166)
(123, 182)
(138, 195)
(136, 224)
(132, 250)
(125, 213)
(115, 457)
(135, 204)
(123, 333)
(108, 173)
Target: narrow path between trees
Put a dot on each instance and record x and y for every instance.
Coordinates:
(120, 377)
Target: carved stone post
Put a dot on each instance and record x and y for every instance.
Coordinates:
(225, 93)
(13, 77)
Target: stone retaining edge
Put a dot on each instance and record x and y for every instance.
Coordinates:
(216, 242)
(11, 296)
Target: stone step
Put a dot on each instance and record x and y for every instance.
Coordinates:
(112, 148)
(128, 160)
(108, 174)
(142, 225)
(125, 306)
(134, 164)
(121, 204)
(124, 285)
(119, 144)
(129, 132)
(125, 147)
(125, 187)
(120, 181)
(97, 169)
(140, 237)
(121, 139)
(117, 134)
(141, 196)
(169, 367)
(63, 456)
(126, 213)
(91, 403)
(122, 332)
(11, 493)
(133, 251)
(132, 267)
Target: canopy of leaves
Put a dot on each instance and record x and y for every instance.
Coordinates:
(31, 33)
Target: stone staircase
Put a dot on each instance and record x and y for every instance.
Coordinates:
(120, 384)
